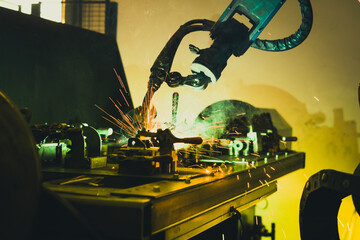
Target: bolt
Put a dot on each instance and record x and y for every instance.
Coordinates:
(176, 176)
(324, 177)
(308, 186)
(156, 188)
(188, 180)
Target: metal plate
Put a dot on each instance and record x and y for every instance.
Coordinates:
(172, 204)
(204, 220)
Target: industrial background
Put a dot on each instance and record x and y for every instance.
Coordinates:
(314, 86)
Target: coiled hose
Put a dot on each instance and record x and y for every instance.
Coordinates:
(293, 40)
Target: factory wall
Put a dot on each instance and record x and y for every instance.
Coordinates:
(314, 86)
(58, 71)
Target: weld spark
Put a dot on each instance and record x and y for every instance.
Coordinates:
(217, 122)
(125, 117)
(267, 183)
(129, 129)
(124, 128)
(340, 222)
(124, 97)
(120, 80)
(235, 133)
(223, 147)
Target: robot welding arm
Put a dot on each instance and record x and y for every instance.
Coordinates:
(230, 38)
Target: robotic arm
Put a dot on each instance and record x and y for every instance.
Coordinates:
(230, 38)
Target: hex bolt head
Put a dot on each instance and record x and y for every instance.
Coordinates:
(188, 180)
(156, 188)
(176, 176)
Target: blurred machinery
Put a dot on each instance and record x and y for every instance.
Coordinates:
(94, 186)
(68, 146)
(321, 200)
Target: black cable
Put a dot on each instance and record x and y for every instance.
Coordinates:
(162, 65)
(206, 23)
(293, 40)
